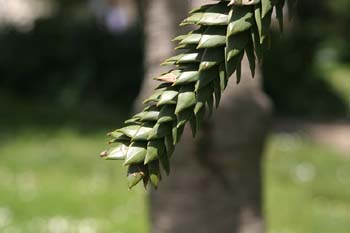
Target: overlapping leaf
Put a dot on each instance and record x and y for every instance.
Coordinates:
(226, 30)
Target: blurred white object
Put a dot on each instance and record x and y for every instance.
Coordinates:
(5, 217)
(305, 172)
(117, 20)
(117, 15)
(23, 13)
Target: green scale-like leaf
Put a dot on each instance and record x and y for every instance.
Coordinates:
(136, 153)
(241, 20)
(186, 99)
(212, 37)
(186, 78)
(266, 6)
(209, 55)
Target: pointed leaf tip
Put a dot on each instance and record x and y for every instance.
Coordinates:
(135, 174)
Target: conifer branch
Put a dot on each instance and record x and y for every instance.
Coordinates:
(209, 55)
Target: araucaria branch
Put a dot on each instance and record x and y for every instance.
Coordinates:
(210, 54)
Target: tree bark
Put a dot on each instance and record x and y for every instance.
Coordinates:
(215, 183)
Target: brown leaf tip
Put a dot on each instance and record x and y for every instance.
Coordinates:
(104, 154)
(169, 78)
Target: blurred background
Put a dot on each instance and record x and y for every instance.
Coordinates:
(69, 72)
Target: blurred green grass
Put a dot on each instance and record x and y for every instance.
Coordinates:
(307, 187)
(53, 181)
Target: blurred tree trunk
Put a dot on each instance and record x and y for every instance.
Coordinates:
(215, 183)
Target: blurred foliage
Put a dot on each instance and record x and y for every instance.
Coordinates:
(71, 57)
(297, 67)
